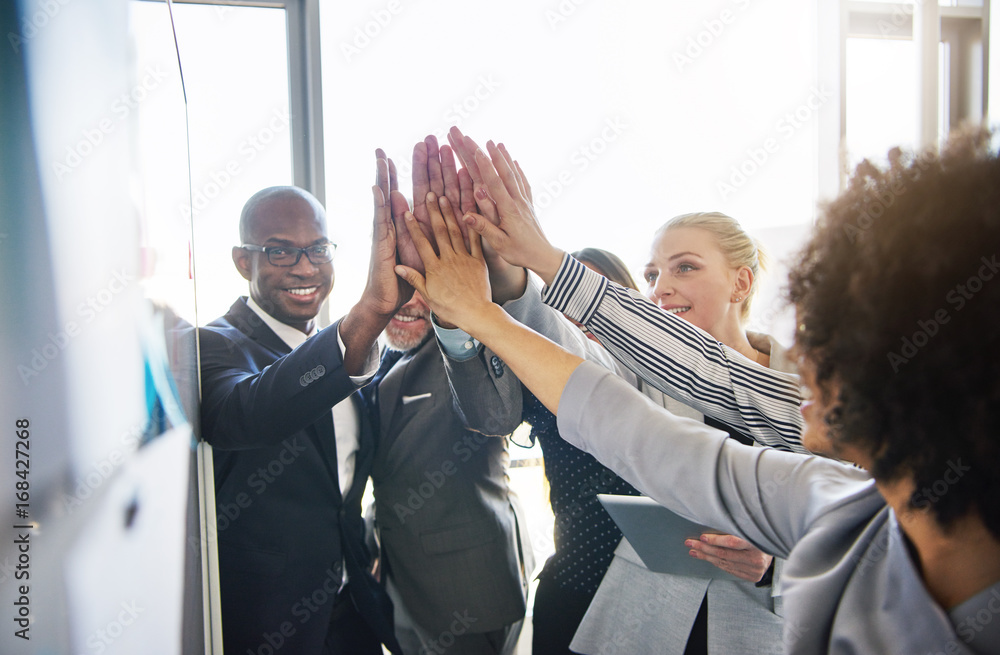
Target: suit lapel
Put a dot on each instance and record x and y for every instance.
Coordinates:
(388, 389)
(246, 321)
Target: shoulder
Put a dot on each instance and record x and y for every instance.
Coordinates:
(779, 354)
(233, 333)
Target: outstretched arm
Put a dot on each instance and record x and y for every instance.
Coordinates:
(681, 360)
(668, 352)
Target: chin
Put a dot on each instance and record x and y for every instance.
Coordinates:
(405, 341)
(300, 315)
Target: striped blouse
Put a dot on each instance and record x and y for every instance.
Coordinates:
(679, 359)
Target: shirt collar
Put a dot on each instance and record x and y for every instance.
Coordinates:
(291, 336)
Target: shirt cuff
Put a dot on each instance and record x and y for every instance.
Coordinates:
(455, 342)
(371, 363)
(576, 291)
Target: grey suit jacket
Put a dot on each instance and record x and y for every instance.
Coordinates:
(488, 399)
(451, 529)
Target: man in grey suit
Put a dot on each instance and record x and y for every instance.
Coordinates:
(453, 540)
(454, 546)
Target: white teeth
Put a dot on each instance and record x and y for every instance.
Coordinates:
(302, 292)
(677, 310)
(406, 319)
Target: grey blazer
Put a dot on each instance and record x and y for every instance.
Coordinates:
(452, 533)
(638, 611)
(850, 584)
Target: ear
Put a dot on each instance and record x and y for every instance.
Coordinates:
(242, 260)
(742, 284)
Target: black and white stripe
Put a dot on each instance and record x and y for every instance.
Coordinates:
(680, 359)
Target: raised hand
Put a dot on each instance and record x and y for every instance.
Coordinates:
(731, 554)
(455, 284)
(426, 168)
(386, 181)
(385, 292)
(508, 281)
(465, 153)
(513, 232)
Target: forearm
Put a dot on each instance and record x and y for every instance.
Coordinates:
(359, 331)
(763, 495)
(507, 282)
(487, 394)
(529, 310)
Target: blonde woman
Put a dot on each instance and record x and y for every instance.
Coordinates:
(704, 268)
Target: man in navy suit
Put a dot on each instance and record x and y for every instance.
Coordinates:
(292, 441)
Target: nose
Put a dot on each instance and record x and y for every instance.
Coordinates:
(304, 267)
(660, 290)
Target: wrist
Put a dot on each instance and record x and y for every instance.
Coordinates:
(547, 264)
(508, 285)
(370, 307)
(358, 332)
(441, 323)
(480, 322)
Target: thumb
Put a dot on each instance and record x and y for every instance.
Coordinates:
(496, 237)
(412, 277)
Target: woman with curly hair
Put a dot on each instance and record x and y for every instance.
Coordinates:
(898, 304)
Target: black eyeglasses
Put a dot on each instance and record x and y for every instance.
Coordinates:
(290, 255)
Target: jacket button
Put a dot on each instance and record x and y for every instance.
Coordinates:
(497, 366)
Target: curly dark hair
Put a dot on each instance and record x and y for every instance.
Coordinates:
(898, 300)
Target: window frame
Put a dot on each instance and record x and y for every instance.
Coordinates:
(929, 24)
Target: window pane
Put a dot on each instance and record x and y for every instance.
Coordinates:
(621, 114)
(236, 70)
(881, 98)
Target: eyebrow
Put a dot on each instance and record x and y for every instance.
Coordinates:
(677, 256)
(285, 242)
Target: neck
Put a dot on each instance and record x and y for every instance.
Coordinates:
(736, 338)
(304, 328)
(955, 564)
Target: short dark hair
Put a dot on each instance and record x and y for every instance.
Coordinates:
(898, 301)
(608, 264)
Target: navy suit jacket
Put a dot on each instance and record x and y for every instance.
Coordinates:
(284, 529)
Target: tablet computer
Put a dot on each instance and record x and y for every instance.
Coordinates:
(657, 535)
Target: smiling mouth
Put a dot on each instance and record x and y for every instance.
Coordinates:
(677, 310)
(407, 319)
(306, 291)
